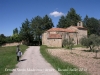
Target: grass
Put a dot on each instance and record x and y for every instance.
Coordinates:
(54, 47)
(63, 67)
(75, 46)
(8, 58)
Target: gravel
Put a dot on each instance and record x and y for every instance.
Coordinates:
(32, 63)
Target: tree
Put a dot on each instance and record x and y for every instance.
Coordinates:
(97, 44)
(89, 42)
(15, 31)
(92, 42)
(69, 43)
(25, 32)
(2, 39)
(92, 25)
(72, 17)
(39, 25)
(62, 22)
(16, 38)
(85, 21)
(47, 23)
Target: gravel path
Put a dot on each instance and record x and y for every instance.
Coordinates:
(32, 63)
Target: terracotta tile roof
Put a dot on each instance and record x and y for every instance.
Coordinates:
(71, 30)
(56, 29)
(54, 36)
(68, 29)
(62, 30)
(79, 27)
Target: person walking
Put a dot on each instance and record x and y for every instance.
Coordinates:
(18, 52)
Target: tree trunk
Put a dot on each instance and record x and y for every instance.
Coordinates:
(90, 48)
(96, 54)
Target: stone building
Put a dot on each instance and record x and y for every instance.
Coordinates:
(55, 36)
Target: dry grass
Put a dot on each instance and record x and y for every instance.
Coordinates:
(79, 57)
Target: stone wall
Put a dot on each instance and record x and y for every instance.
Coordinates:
(81, 34)
(54, 43)
(44, 38)
(51, 42)
(12, 44)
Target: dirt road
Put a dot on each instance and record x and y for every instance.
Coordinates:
(32, 63)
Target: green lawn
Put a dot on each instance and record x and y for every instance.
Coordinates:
(68, 69)
(8, 58)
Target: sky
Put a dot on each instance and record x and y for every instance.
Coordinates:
(14, 12)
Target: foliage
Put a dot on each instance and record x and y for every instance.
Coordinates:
(62, 22)
(2, 39)
(73, 17)
(15, 31)
(70, 19)
(36, 24)
(16, 38)
(92, 42)
(47, 23)
(92, 24)
(39, 25)
(25, 32)
(97, 44)
(60, 64)
(69, 43)
(88, 41)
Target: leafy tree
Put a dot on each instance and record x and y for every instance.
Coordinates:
(16, 38)
(92, 42)
(85, 21)
(92, 25)
(36, 24)
(69, 43)
(72, 17)
(62, 22)
(15, 31)
(39, 25)
(97, 44)
(47, 23)
(25, 32)
(89, 42)
(65, 42)
(2, 39)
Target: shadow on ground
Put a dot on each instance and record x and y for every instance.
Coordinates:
(96, 57)
(87, 50)
(23, 60)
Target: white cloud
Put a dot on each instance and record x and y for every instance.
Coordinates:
(56, 13)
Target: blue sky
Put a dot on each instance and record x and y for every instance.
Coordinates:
(14, 12)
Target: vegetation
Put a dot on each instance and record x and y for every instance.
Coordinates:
(79, 45)
(39, 25)
(70, 19)
(92, 24)
(59, 64)
(8, 58)
(92, 42)
(68, 43)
